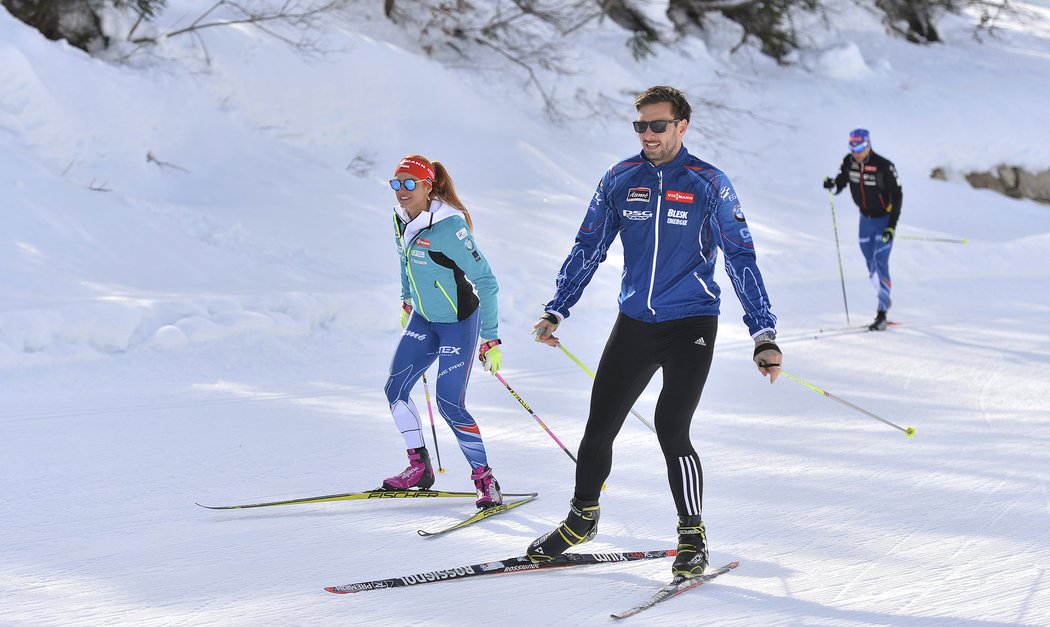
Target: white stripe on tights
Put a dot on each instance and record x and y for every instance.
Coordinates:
(690, 485)
(406, 417)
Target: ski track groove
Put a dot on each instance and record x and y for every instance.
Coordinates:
(872, 565)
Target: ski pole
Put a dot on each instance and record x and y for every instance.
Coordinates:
(935, 239)
(838, 251)
(529, 409)
(588, 371)
(430, 410)
(908, 432)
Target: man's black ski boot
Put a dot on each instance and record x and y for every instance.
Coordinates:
(581, 525)
(691, 560)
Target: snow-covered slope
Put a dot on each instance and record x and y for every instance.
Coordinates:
(200, 301)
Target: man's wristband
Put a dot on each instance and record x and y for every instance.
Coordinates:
(766, 346)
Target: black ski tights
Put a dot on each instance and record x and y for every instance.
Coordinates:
(635, 350)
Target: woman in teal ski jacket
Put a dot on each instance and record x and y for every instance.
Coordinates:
(449, 301)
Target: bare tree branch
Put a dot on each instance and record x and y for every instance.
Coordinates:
(291, 12)
(548, 100)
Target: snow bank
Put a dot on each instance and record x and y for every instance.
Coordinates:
(843, 61)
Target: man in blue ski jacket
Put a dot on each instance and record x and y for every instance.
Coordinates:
(672, 212)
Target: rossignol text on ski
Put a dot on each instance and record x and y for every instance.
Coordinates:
(510, 565)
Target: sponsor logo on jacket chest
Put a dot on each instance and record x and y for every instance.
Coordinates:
(638, 194)
(425, 243)
(677, 216)
(673, 196)
(869, 175)
(637, 215)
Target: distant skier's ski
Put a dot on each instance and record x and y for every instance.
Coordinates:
(366, 495)
(511, 565)
(480, 515)
(676, 587)
(858, 328)
(832, 332)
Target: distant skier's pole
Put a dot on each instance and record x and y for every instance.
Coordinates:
(908, 432)
(934, 239)
(529, 409)
(838, 251)
(588, 371)
(430, 410)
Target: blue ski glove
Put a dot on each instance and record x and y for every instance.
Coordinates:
(490, 355)
(887, 235)
(406, 313)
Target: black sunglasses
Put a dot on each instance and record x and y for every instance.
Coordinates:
(410, 184)
(658, 126)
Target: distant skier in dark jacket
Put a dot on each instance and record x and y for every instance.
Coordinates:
(876, 189)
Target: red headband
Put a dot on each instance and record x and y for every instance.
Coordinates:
(419, 169)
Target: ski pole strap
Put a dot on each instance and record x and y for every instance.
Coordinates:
(766, 346)
(551, 318)
(485, 346)
(406, 307)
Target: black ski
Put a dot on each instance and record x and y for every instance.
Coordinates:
(511, 565)
(676, 587)
(366, 495)
(480, 515)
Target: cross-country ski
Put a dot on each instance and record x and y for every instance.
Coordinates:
(676, 587)
(479, 516)
(367, 495)
(500, 567)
